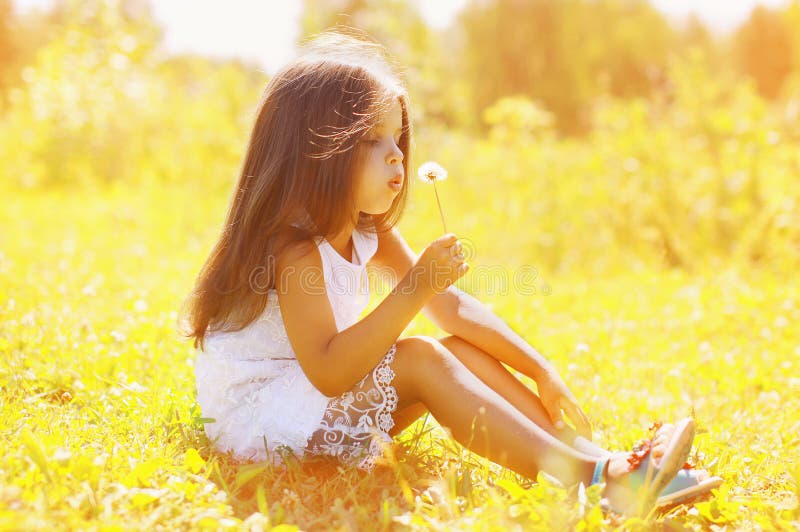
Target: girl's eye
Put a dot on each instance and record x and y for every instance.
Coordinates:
(378, 141)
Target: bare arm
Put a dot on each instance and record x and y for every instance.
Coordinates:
(356, 350)
(335, 360)
(464, 316)
(461, 314)
(468, 318)
(477, 324)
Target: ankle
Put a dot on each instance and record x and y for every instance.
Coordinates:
(619, 465)
(588, 447)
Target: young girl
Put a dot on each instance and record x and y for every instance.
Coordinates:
(284, 362)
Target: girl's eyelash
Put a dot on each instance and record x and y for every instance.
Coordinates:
(377, 141)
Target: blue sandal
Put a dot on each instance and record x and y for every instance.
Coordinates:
(685, 487)
(647, 481)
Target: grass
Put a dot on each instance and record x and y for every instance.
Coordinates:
(99, 428)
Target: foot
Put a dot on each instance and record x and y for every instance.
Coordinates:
(619, 490)
(634, 481)
(660, 442)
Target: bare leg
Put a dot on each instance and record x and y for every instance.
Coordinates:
(496, 376)
(478, 417)
(492, 372)
(485, 423)
(405, 417)
(499, 378)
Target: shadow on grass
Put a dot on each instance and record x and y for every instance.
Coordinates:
(318, 493)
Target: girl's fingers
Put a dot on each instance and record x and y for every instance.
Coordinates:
(554, 411)
(582, 425)
(585, 427)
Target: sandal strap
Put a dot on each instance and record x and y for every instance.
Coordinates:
(644, 446)
(599, 469)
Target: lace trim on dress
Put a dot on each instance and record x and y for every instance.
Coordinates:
(357, 422)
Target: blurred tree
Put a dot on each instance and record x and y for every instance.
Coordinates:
(8, 50)
(563, 52)
(630, 40)
(791, 87)
(98, 104)
(695, 34)
(791, 16)
(764, 50)
(24, 34)
(437, 92)
(517, 118)
(21, 36)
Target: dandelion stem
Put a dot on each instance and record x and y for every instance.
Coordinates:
(440, 206)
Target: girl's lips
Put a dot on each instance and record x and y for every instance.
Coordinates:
(396, 183)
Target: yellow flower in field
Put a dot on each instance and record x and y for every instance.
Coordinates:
(431, 172)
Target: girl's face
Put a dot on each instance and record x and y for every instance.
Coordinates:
(380, 177)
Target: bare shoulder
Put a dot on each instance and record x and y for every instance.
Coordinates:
(293, 249)
(297, 265)
(307, 315)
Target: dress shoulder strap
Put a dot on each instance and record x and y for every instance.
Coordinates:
(366, 244)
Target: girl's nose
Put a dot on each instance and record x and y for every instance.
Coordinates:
(396, 156)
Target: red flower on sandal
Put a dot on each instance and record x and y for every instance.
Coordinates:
(643, 448)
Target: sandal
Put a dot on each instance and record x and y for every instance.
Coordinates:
(647, 481)
(685, 486)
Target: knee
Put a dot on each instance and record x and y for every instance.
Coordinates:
(424, 353)
(421, 363)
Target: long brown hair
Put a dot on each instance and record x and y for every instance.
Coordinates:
(299, 167)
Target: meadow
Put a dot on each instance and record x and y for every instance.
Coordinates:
(100, 429)
(659, 252)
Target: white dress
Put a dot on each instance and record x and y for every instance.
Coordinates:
(261, 401)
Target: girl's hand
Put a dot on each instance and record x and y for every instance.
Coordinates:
(556, 397)
(441, 263)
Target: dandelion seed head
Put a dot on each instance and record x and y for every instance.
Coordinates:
(431, 171)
